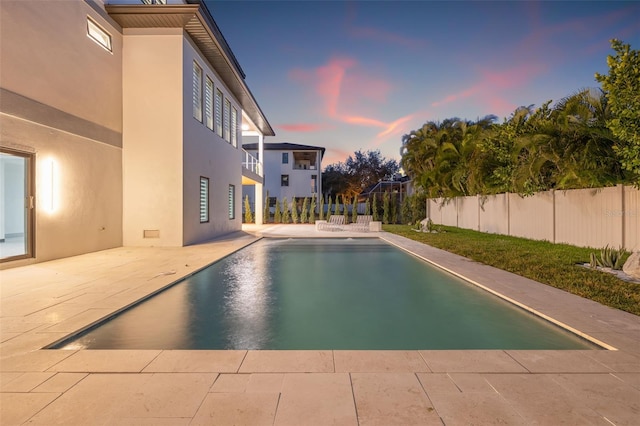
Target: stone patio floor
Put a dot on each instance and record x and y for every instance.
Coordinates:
(44, 302)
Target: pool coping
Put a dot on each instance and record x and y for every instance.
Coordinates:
(134, 270)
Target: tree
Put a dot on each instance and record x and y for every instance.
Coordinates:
(285, 210)
(386, 208)
(294, 210)
(335, 179)
(267, 210)
(277, 216)
(321, 208)
(329, 207)
(345, 209)
(354, 210)
(248, 215)
(357, 173)
(304, 214)
(374, 208)
(622, 87)
(312, 210)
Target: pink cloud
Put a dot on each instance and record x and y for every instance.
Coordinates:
(363, 121)
(343, 88)
(457, 96)
(395, 127)
(302, 127)
(492, 85)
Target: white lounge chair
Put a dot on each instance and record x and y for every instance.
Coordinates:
(335, 223)
(361, 224)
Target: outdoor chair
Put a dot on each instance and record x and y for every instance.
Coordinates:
(361, 224)
(335, 223)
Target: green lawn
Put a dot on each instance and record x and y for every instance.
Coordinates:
(545, 262)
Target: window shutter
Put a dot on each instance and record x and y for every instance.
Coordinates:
(208, 103)
(204, 199)
(197, 92)
(219, 112)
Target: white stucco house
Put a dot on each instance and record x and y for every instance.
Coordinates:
(290, 170)
(120, 124)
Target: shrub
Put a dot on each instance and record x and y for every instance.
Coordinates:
(312, 211)
(248, 215)
(294, 210)
(285, 210)
(277, 217)
(609, 258)
(267, 211)
(304, 214)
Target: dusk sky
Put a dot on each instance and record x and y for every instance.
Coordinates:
(360, 74)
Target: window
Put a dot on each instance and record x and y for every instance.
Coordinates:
(208, 103)
(234, 127)
(285, 158)
(232, 202)
(227, 119)
(314, 184)
(219, 112)
(99, 35)
(284, 180)
(204, 199)
(197, 92)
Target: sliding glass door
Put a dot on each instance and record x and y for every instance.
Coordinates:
(16, 210)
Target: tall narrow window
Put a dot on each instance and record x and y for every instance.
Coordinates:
(232, 202)
(204, 199)
(285, 158)
(284, 180)
(227, 119)
(234, 127)
(314, 184)
(197, 92)
(97, 34)
(219, 112)
(208, 103)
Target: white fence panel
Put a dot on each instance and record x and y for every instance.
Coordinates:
(631, 214)
(581, 217)
(468, 212)
(531, 217)
(494, 214)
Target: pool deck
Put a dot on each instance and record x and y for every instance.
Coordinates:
(44, 302)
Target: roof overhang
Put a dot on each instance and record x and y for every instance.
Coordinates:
(196, 20)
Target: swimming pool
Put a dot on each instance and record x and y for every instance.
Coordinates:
(324, 294)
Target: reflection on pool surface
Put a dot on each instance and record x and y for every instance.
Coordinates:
(325, 294)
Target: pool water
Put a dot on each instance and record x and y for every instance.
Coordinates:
(325, 294)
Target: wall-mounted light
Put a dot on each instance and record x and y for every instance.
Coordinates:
(49, 186)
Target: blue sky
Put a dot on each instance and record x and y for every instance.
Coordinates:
(360, 74)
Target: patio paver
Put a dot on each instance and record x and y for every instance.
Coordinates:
(44, 302)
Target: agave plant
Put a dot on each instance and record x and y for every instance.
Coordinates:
(609, 258)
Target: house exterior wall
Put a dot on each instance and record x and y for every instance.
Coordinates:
(208, 155)
(299, 179)
(119, 127)
(61, 100)
(153, 131)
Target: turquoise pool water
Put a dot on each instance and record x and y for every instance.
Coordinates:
(325, 294)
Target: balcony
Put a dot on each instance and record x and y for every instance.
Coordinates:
(305, 160)
(251, 169)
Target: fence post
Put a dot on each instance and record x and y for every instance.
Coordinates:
(623, 216)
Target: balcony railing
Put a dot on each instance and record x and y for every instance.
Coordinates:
(251, 163)
(304, 166)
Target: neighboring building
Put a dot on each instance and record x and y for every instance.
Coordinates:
(119, 125)
(290, 170)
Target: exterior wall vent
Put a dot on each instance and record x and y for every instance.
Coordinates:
(151, 233)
